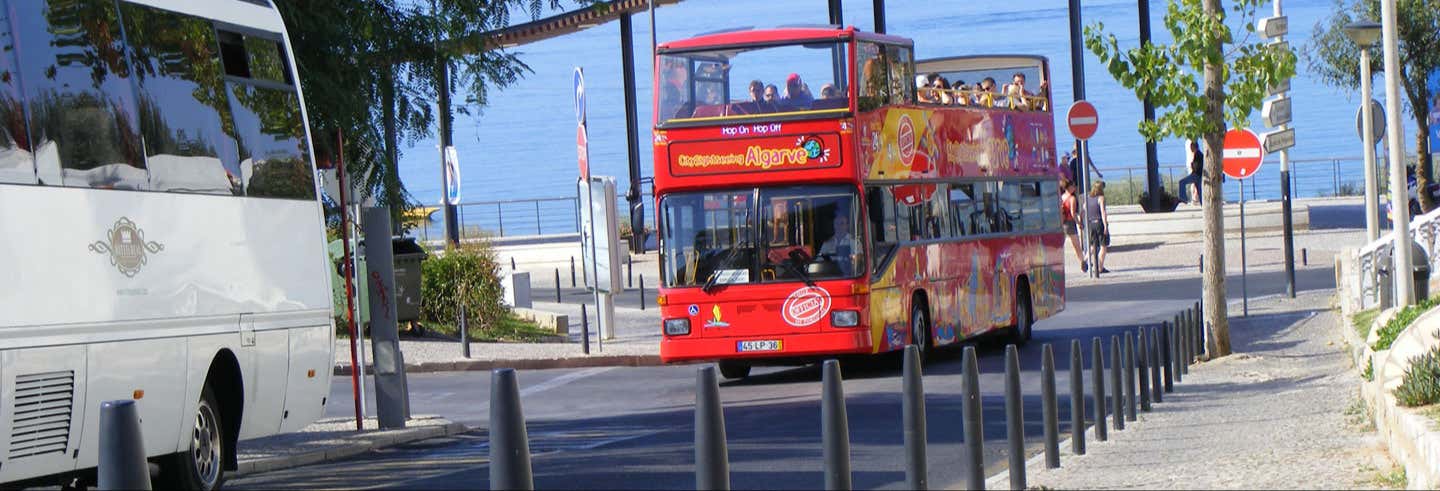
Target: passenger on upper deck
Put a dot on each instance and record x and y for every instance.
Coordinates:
(923, 92)
(986, 93)
(757, 97)
(828, 91)
(797, 97)
(772, 95)
(1022, 99)
(942, 87)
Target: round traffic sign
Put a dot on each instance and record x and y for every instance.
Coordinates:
(579, 96)
(1083, 120)
(1377, 122)
(582, 150)
(1242, 153)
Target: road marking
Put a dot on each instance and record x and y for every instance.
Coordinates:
(562, 380)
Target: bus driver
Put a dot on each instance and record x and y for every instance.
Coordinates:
(842, 247)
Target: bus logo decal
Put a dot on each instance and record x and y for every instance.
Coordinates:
(806, 306)
(716, 322)
(905, 139)
(126, 246)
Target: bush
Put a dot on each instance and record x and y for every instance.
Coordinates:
(1402, 319)
(1421, 384)
(468, 275)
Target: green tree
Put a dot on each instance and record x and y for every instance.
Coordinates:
(1336, 60)
(353, 55)
(1203, 80)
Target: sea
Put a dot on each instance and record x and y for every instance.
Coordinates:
(520, 145)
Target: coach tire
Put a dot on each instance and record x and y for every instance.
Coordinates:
(920, 327)
(1024, 315)
(202, 465)
(734, 370)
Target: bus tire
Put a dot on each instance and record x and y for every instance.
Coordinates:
(201, 466)
(1024, 315)
(734, 370)
(920, 326)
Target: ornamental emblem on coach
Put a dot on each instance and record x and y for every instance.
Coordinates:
(126, 246)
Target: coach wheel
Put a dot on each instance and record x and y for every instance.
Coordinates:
(920, 327)
(734, 370)
(1024, 315)
(202, 465)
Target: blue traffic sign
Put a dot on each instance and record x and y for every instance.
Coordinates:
(579, 95)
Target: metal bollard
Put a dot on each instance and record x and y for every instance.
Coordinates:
(913, 419)
(834, 428)
(642, 292)
(584, 330)
(1201, 346)
(1166, 353)
(1142, 369)
(972, 422)
(557, 285)
(512, 264)
(1049, 407)
(1304, 257)
(1175, 355)
(1014, 418)
(1187, 333)
(572, 271)
(122, 448)
(629, 271)
(712, 458)
(1097, 376)
(509, 444)
(1077, 398)
(1153, 349)
(464, 333)
(1131, 399)
(1117, 381)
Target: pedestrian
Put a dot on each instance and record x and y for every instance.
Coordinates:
(1067, 218)
(1097, 220)
(1196, 159)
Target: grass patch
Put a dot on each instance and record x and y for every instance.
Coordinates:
(509, 329)
(1402, 319)
(1363, 320)
(1395, 479)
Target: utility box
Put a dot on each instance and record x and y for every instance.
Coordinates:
(517, 289)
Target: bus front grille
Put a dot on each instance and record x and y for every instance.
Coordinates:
(43, 408)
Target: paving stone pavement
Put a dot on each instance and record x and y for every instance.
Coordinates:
(1277, 414)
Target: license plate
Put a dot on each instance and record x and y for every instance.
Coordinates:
(767, 345)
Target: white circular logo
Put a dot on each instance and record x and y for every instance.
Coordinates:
(806, 306)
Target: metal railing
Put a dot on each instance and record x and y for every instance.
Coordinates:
(1309, 178)
(523, 217)
(1378, 255)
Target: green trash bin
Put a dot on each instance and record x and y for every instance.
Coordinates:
(408, 256)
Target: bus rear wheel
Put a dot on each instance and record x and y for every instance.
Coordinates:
(734, 370)
(920, 327)
(1024, 316)
(202, 465)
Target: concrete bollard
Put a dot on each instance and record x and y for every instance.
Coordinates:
(913, 419)
(122, 449)
(1049, 407)
(1117, 382)
(972, 421)
(1131, 398)
(1157, 392)
(1097, 376)
(1077, 398)
(712, 458)
(509, 443)
(1014, 418)
(1165, 355)
(1142, 369)
(834, 428)
(557, 285)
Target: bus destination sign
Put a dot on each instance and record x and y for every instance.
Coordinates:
(774, 153)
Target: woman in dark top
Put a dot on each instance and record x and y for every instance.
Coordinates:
(1197, 166)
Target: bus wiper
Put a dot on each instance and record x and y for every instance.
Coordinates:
(796, 256)
(714, 278)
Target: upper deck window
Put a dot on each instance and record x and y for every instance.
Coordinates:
(986, 83)
(739, 82)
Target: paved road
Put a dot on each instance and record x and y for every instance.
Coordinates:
(632, 427)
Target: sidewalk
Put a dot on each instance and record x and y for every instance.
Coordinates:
(331, 439)
(1280, 413)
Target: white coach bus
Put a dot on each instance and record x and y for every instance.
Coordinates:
(161, 235)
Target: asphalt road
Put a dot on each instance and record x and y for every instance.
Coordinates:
(631, 428)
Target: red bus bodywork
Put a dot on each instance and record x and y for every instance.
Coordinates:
(967, 287)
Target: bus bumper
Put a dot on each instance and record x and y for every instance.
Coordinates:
(686, 348)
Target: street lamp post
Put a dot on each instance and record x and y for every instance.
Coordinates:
(1399, 198)
(1364, 34)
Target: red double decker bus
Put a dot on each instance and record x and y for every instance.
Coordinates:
(861, 217)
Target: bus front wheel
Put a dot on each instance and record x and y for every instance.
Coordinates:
(734, 370)
(202, 465)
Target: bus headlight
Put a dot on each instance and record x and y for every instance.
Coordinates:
(845, 318)
(677, 327)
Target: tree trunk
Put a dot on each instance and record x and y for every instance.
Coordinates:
(1216, 318)
(1423, 168)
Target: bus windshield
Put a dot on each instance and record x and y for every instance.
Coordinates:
(745, 81)
(773, 234)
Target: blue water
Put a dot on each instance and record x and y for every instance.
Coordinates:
(521, 145)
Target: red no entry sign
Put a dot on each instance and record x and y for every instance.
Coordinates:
(1242, 153)
(1083, 120)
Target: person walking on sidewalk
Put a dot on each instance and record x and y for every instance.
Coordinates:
(1067, 217)
(1197, 167)
(1097, 220)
